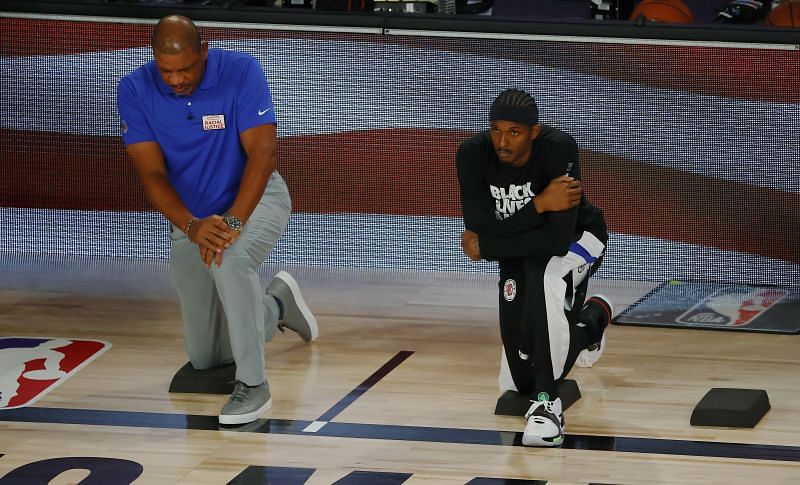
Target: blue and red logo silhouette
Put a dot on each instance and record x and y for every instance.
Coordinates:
(733, 306)
(30, 367)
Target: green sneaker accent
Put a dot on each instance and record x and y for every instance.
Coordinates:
(543, 396)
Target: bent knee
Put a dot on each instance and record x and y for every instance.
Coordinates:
(232, 264)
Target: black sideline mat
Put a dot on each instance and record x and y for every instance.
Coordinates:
(717, 306)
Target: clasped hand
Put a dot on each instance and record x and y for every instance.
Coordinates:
(562, 193)
(470, 246)
(212, 237)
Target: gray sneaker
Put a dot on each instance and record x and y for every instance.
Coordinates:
(296, 315)
(246, 404)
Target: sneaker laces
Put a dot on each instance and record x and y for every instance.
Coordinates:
(549, 406)
(239, 391)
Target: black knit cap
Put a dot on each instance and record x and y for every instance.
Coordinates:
(515, 105)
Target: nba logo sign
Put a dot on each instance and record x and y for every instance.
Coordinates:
(30, 367)
(733, 306)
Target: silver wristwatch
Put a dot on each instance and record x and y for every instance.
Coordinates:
(234, 223)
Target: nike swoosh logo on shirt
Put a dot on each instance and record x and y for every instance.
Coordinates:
(261, 113)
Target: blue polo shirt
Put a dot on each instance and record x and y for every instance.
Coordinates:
(199, 134)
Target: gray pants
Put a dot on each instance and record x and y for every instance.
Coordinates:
(226, 315)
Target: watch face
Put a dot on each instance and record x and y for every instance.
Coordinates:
(233, 222)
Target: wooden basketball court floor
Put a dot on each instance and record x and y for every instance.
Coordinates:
(399, 388)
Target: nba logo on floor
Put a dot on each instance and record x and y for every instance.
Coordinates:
(732, 306)
(30, 367)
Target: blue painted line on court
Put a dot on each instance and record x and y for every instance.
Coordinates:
(504, 481)
(404, 433)
(370, 381)
(264, 475)
(144, 420)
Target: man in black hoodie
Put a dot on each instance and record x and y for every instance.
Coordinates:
(524, 207)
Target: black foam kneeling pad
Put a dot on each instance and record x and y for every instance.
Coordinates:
(218, 380)
(513, 403)
(735, 408)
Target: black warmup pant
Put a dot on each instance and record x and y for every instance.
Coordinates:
(540, 302)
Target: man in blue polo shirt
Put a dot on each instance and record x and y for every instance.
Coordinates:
(200, 127)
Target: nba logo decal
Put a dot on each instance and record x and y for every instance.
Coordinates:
(509, 289)
(732, 306)
(30, 367)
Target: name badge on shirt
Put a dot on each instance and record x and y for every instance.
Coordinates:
(213, 122)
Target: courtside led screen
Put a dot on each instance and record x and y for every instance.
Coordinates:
(691, 150)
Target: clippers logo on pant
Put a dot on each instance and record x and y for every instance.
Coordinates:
(32, 367)
(509, 289)
(733, 306)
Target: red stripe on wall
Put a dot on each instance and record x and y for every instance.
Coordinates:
(647, 200)
(754, 74)
(74, 37)
(412, 172)
(749, 74)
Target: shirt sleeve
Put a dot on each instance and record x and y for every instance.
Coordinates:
(133, 122)
(476, 205)
(253, 100)
(550, 239)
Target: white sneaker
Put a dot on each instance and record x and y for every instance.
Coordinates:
(545, 424)
(603, 312)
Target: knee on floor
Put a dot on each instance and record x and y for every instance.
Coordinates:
(203, 361)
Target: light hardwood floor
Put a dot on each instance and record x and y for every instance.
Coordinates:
(642, 390)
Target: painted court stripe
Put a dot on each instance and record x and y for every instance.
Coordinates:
(365, 386)
(314, 426)
(405, 433)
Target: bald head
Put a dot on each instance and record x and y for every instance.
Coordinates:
(175, 33)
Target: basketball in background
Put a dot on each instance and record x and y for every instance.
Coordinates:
(786, 14)
(666, 11)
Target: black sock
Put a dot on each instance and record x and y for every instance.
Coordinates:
(280, 307)
(593, 317)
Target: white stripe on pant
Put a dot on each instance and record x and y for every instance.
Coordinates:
(519, 323)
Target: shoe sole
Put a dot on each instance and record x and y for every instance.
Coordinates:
(587, 358)
(294, 289)
(245, 418)
(544, 442)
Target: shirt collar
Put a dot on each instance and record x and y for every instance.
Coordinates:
(211, 74)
